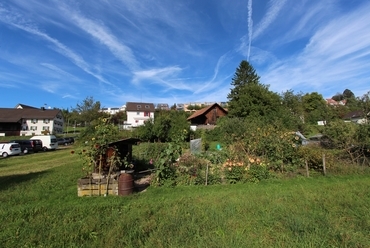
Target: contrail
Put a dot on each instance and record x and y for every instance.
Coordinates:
(250, 27)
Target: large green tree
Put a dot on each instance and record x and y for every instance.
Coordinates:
(88, 110)
(166, 126)
(248, 97)
(315, 108)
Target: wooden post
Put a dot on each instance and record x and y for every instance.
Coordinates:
(207, 175)
(323, 164)
(307, 171)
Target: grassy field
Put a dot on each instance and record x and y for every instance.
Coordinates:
(40, 208)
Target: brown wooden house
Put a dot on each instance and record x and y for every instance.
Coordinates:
(207, 115)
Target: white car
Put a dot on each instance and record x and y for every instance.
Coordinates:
(9, 149)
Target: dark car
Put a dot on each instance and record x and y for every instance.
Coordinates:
(70, 140)
(29, 146)
(63, 141)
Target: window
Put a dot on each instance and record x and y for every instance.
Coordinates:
(33, 128)
(138, 106)
(34, 121)
(147, 106)
(146, 113)
(137, 113)
(45, 128)
(46, 121)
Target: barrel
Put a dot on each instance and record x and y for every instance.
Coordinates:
(125, 184)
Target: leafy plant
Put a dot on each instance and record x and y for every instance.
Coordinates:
(98, 156)
(165, 170)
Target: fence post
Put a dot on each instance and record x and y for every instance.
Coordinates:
(207, 174)
(307, 171)
(323, 164)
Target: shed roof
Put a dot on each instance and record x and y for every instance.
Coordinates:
(125, 141)
(204, 110)
(354, 114)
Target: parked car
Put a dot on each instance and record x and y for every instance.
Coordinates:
(10, 149)
(63, 141)
(29, 146)
(49, 142)
(70, 140)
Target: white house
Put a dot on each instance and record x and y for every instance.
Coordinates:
(113, 111)
(25, 120)
(137, 113)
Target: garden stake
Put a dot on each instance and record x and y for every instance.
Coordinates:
(100, 164)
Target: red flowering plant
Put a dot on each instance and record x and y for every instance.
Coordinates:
(97, 155)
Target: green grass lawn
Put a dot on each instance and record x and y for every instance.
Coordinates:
(40, 208)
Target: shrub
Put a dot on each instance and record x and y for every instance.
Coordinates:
(96, 146)
(313, 155)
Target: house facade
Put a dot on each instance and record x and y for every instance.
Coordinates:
(163, 106)
(113, 111)
(137, 113)
(28, 121)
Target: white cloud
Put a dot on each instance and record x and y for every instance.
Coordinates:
(338, 53)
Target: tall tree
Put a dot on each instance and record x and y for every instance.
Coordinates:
(348, 94)
(88, 110)
(315, 108)
(293, 107)
(249, 98)
(293, 102)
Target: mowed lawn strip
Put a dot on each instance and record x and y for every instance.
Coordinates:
(36, 162)
(40, 208)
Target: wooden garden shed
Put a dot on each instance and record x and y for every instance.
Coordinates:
(207, 115)
(124, 147)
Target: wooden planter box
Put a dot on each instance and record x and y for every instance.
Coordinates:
(97, 187)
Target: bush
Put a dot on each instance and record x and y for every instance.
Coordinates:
(313, 155)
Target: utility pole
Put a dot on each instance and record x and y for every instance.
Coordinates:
(67, 125)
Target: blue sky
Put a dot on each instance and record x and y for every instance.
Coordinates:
(57, 53)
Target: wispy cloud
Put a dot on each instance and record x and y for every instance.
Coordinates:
(274, 7)
(15, 20)
(57, 71)
(213, 83)
(50, 86)
(337, 53)
(180, 51)
(250, 28)
(101, 33)
(163, 77)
